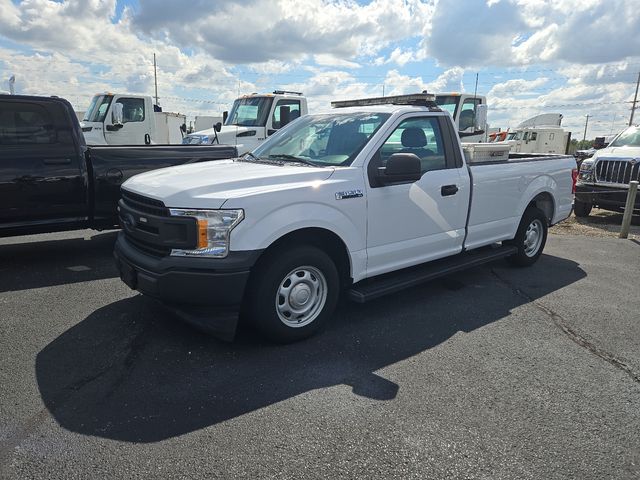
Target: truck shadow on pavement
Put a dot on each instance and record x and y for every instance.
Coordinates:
(131, 372)
(46, 263)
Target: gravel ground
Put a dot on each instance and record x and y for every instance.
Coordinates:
(600, 223)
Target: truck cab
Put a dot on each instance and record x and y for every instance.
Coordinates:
(123, 119)
(252, 119)
(469, 114)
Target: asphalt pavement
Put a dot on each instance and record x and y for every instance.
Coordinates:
(491, 373)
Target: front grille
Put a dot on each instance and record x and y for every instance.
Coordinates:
(148, 248)
(144, 204)
(617, 171)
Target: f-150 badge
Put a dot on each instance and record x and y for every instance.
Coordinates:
(349, 194)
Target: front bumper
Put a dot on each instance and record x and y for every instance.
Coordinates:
(606, 197)
(206, 292)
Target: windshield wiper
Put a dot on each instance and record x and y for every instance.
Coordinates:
(250, 157)
(293, 158)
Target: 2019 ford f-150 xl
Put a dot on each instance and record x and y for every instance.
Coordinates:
(370, 198)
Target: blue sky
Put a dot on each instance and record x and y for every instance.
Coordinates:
(575, 57)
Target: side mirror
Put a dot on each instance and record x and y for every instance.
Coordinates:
(480, 120)
(116, 114)
(401, 168)
(183, 128)
(217, 126)
(285, 115)
(225, 115)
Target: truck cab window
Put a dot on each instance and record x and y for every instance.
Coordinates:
(294, 109)
(468, 113)
(132, 109)
(250, 112)
(97, 111)
(420, 136)
(26, 124)
(534, 135)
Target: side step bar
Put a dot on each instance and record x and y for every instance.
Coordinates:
(375, 287)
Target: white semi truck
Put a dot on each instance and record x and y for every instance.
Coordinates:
(252, 119)
(124, 119)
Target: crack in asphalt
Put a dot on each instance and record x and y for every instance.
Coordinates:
(123, 363)
(574, 336)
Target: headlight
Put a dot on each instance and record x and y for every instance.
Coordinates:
(195, 139)
(214, 228)
(586, 171)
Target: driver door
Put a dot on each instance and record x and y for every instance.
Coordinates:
(412, 223)
(135, 123)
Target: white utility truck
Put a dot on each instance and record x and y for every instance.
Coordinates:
(123, 119)
(540, 134)
(370, 198)
(252, 119)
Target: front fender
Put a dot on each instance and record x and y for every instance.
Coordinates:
(260, 233)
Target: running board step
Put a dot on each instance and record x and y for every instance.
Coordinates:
(394, 282)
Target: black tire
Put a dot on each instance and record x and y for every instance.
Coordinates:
(533, 220)
(314, 271)
(582, 209)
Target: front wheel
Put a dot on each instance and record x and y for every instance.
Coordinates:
(292, 293)
(582, 209)
(530, 238)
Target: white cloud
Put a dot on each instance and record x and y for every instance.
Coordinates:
(287, 29)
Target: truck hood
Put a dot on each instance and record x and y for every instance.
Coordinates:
(93, 134)
(227, 133)
(617, 152)
(210, 184)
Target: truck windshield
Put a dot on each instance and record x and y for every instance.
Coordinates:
(629, 138)
(250, 112)
(324, 140)
(449, 103)
(98, 109)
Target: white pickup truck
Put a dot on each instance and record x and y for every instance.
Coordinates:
(370, 198)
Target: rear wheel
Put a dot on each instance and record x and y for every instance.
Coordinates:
(292, 293)
(581, 209)
(530, 238)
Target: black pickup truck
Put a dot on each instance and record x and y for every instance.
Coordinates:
(50, 180)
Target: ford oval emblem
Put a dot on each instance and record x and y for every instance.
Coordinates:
(128, 222)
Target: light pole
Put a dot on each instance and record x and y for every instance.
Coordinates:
(586, 124)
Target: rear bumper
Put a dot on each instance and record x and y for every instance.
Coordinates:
(202, 291)
(604, 196)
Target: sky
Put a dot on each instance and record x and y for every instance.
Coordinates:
(574, 57)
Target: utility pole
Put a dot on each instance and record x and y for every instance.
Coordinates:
(584, 137)
(155, 76)
(635, 99)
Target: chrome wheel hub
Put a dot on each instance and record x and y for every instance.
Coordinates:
(533, 238)
(301, 296)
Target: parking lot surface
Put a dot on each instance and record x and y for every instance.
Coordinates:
(488, 374)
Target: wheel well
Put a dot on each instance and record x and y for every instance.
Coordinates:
(544, 202)
(325, 240)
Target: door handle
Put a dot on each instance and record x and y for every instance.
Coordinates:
(114, 175)
(57, 161)
(147, 139)
(448, 190)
